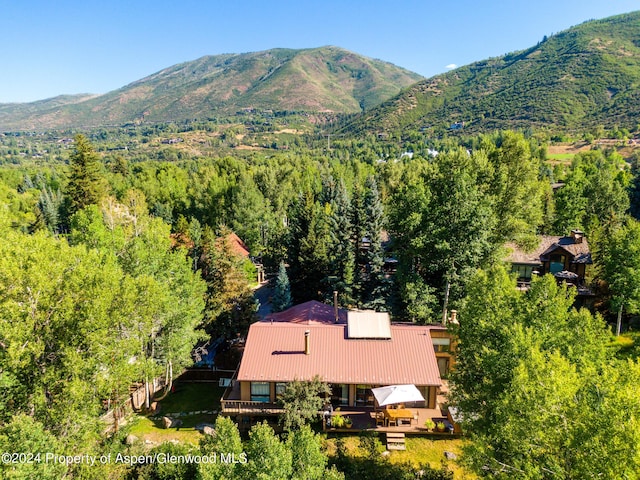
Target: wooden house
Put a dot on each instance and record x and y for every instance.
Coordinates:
(565, 257)
(353, 351)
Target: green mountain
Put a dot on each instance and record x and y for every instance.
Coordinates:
(586, 76)
(326, 79)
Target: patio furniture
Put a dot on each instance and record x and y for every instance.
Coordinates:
(379, 418)
(396, 415)
(397, 394)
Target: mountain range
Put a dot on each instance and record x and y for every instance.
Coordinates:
(583, 78)
(326, 79)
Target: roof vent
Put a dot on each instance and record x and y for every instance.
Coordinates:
(307, 350)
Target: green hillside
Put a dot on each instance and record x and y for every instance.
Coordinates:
(586, 76)
(327, 79)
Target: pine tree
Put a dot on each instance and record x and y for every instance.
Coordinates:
(342, 252)
(87, 185)
(282, 291)
(307, 249)
(49, 205)
(374, 284)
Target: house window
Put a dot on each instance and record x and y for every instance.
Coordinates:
(441, 344)
(280, 388)
(524, 272)
(364, 396)
(260, 392)
(557, 263)
(339, 394)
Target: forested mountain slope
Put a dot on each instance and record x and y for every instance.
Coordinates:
(586, 76)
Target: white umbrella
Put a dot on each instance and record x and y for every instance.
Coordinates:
(397, 394)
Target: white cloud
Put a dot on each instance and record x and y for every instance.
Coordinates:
(451, 66)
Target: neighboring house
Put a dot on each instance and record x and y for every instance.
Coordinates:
(238, 246)
(564, 257)
(353, 351)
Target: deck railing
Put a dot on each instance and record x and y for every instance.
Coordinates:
(245, 406)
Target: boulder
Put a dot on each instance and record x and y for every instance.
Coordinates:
(201, 426)
(168, 422)
(131, 439)
(450, 455)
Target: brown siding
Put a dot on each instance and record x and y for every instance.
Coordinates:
(245, 391)
(431, 397)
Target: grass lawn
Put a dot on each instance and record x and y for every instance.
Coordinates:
(419, 450)
(147, 429)
(560, 157)
(192, 397)
(187, 397)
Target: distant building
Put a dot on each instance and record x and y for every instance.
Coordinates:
(564, 257)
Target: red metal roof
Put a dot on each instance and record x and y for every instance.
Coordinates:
(309, 313)
(237, 245)
(274, 352)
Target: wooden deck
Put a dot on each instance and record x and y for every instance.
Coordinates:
(364, 420)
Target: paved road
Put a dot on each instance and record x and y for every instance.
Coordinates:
(263, 293)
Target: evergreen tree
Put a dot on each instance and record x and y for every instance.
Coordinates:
(342, 251)
(87, 185)
(373, 282)
(308, 245)
(282, 291)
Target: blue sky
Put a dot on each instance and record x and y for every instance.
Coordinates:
(68, 46)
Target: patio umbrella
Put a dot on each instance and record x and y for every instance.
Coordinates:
(397, 394)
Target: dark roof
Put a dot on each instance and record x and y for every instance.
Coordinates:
(578, 251)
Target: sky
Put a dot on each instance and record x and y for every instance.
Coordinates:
(59, 47)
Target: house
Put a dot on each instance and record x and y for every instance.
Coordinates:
(238, 246)
(564, 257)
(353, 351)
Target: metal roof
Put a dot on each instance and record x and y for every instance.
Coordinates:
(309, 312)
(274, 352)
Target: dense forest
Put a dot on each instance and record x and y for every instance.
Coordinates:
(116, 261)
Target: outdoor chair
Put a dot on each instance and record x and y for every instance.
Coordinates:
(379, 419)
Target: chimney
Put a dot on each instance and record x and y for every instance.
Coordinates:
(454, 317)
(306, 342)
(335, 306)
(577, 235)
